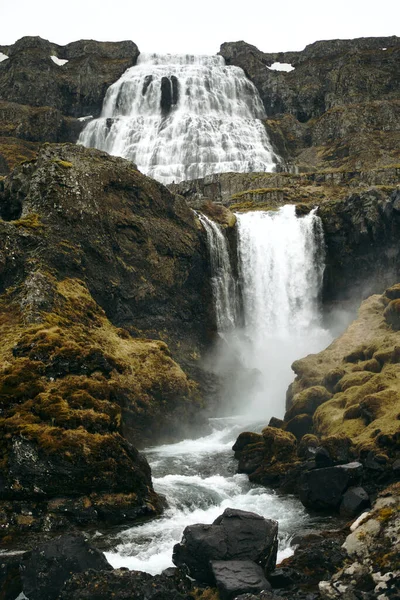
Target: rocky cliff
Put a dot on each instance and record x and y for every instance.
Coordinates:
(95, 260)
(45, 88)
(338, 106)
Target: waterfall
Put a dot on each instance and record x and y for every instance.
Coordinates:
(183, 117)
(281, 265)
(222, 280)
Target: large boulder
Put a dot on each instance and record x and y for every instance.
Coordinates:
(235, 535)
(45, 569)
(323, 489)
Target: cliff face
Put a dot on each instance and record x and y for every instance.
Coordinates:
(41, 100)
(95, 260)
(338, 107)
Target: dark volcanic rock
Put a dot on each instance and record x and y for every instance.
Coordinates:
(122, 584)
(30, 76)
(10, 576)
(323, 489)
(45, 569)
(318, 81)
(355, 500)
(235, 535)
(234, 577)
(361, 233)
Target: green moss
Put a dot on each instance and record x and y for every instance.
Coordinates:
(67, 381)
(307, 402)
(65, 164)
(31, 221)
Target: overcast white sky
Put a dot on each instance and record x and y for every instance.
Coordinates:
(199, 26)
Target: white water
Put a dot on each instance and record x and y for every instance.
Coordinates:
(199, 480)
(224, 287)
(281, 265)
(207, 120)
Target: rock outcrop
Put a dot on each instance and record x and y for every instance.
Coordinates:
(95, 259)
(337, 107)
(45, 88)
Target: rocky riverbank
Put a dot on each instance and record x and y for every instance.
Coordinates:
(234, 558)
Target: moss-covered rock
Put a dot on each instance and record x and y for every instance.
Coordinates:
(363, 375)
(90, 248)
(307, 401)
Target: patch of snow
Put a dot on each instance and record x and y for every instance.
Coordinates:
(278, 66)
(3, 56)
(58, 61)
(87, 118)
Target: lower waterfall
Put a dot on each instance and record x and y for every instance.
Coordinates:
(281, 261)
(281, 265)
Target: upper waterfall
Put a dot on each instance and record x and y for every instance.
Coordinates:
(182, 117)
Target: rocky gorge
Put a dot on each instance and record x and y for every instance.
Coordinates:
(106, 315)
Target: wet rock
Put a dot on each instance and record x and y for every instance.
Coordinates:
(305, 536)
(274, 422)
(234, 577)
(234, 535)
(283, 577)
(122, 584)
(45, 569)
(323, 489)
(322, 458)
(355, 500)
(10, 577)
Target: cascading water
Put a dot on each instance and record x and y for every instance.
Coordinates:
(183, 117)
(223, 282)
(281, 266)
